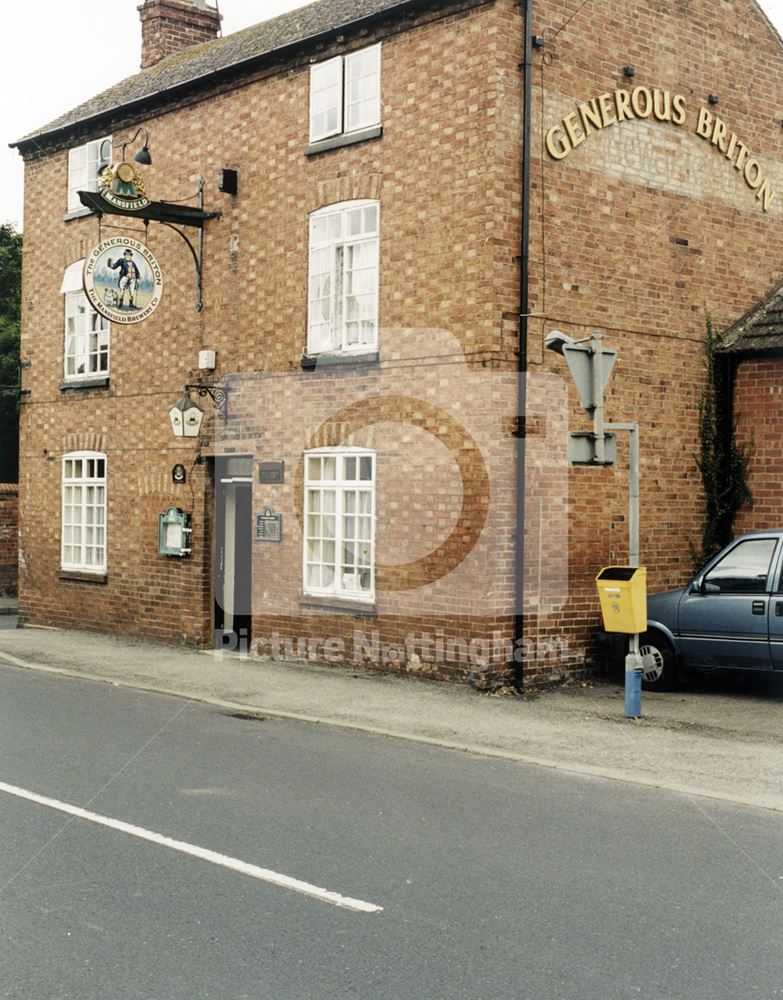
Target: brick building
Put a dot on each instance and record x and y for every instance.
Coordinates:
(379, 239)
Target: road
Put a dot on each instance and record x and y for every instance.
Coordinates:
(485, 879)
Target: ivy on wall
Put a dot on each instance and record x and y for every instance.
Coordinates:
(723, 462)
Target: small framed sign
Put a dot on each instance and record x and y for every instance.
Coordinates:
(271, 472)
(269, 526)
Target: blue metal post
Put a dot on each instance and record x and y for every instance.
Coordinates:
(633, 681)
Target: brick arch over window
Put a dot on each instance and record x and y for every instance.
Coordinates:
(84, 441)
(354, 187)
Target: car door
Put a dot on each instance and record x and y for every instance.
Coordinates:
(776, 619)
(724, 616)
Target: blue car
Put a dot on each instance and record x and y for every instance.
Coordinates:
(730, 616)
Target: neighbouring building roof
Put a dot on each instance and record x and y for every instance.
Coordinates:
(760, 329)
(222, 55)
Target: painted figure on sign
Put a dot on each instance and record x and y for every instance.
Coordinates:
(128, 278)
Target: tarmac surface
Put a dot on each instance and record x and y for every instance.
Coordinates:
(720, 738)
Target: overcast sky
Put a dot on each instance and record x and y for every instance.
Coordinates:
(58, 53)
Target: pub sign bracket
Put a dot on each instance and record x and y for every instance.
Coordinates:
(168, 214)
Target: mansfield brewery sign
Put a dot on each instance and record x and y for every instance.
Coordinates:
(646, 102)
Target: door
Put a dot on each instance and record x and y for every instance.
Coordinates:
(233, 553)
(776, 621)
(724, 619)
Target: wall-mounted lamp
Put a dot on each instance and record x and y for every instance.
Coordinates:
(629, 71)
(713, 99)
(537, 41)
(174, 533)
(186, 417)
(143, 155)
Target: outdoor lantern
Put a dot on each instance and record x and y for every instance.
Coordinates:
(186, 417)
(174, 533)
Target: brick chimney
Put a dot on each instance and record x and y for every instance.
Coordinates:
(170, 25)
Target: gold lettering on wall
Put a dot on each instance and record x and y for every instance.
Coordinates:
(644, 102)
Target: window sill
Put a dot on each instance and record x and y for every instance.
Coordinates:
(344, 139)
(331, 359)
(80, 576)
(339, 605)
(77, 213)
(99, 382)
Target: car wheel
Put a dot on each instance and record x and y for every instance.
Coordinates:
(662, 675)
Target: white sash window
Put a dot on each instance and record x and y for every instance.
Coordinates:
(339, 544)
(84, 512)
(343, 278)
(345, 94)
(87, 333)
(84, 165)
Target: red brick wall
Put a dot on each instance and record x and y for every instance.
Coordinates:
(9, 504)
(641, 230)
(758, 407)
(448, 284)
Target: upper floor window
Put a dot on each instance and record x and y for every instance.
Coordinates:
(345, 94)
(84, 164)
(343, 282)
(86, 331)
(339, 536)
(84, 512)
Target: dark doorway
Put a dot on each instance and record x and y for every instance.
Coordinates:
(233, 552)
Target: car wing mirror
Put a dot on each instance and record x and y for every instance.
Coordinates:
(710, 588)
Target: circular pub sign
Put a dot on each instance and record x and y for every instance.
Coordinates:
(122, 280)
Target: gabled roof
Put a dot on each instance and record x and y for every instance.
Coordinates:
(202, 63)
(760, 329)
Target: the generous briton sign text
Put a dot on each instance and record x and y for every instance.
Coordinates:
(663, 106)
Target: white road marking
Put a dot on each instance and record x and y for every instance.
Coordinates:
(263, 874)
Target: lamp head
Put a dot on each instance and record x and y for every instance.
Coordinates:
(143, 156)
(186, 417)
(555, 341)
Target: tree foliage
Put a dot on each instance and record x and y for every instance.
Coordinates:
(723, 462)
(10, 297)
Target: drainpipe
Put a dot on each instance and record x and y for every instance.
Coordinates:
(524, 309)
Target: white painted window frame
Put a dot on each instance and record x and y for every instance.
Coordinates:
(332, 97)
(83, 165)
(343, 585)
(88, 339)
(330, 300)
(84, 512)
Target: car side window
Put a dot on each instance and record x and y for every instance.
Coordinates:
(745, 569)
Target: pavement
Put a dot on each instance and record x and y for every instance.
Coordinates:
(721, 738)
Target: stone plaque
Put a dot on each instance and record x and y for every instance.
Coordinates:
(271, 472)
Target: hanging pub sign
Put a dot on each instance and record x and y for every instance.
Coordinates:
(122, 280)
(122, 185)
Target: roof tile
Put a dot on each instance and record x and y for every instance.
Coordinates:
(760, 329)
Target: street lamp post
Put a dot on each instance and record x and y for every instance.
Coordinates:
(591, 364)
